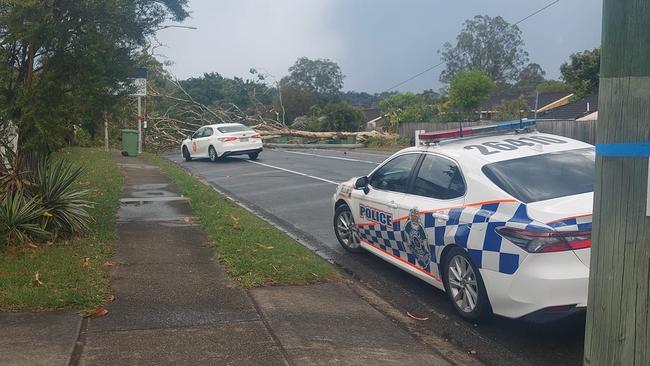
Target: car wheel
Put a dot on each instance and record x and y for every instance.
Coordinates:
(464, 286)
(186, 154)
(345, 230)
(213, 154)
(253, 156)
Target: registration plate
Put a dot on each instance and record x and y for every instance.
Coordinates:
(243, 139)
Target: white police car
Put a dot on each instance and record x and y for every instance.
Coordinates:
(500, 222)
(222, 140)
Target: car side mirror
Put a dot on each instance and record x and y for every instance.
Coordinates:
(362, 183)
(189, 137)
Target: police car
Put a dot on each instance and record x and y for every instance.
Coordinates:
(500, 221)
(222, 140)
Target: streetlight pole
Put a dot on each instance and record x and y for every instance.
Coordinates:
(618, 323)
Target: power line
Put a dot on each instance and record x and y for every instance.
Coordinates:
(442, 62)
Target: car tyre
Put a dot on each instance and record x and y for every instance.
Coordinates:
(464, 286)
(253, 156)
(345, 231)
(186, 154)
(212, 153)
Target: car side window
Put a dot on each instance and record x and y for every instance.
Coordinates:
(207, 132)
(198, 133)
(394, 175)
(439, 178)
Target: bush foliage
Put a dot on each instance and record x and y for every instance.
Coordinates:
(38, 199)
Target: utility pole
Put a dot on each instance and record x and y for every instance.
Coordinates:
(618, 323)
(139, 124)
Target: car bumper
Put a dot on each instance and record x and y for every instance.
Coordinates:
(240, 152)
(546, 284)
(238, 148)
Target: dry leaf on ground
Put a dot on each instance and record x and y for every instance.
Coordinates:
(99, 312)
(416, 317)
(37, 279)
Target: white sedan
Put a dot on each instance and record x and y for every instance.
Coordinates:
(502, 223)
(222, 140)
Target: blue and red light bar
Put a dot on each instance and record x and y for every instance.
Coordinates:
(472, 131)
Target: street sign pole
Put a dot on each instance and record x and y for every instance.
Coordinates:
(618, 323)
(139, 124)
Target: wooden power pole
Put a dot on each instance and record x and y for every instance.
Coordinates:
(618, 325)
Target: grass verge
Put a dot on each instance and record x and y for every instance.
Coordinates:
(253, 252)
(70, 273)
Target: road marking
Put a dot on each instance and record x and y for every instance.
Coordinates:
(293, 172)
(332, 157)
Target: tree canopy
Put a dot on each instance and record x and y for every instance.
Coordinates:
(320, 76)
(67, 61)
(489, 44)
(468, 89)
(582, 72)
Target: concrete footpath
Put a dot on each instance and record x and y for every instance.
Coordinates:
(176, 305)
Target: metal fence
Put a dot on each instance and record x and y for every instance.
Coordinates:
(578, 130)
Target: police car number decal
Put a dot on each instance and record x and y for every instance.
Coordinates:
(374, 215)
(489, 148)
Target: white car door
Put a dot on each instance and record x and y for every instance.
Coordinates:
(375, 210)
(194, 143)
(430, 211)
(203, 142)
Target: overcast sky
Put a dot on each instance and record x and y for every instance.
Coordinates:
(377, 43)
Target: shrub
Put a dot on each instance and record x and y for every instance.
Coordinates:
(386, 141)
(82, 138)
(38, 199)
(64, 205)
(20, 218)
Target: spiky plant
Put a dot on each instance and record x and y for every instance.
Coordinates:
(20, 218)
(65, 205)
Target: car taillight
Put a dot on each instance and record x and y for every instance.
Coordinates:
(546, 241)
(255, 136)
(228, 139)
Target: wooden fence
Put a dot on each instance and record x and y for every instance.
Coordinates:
(579, 130)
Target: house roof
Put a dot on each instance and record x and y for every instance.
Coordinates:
(545, 98)
(370, 114)
(573, 110)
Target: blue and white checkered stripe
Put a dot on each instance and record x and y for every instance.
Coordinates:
(473, 228)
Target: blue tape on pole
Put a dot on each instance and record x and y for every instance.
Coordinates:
(624, 150)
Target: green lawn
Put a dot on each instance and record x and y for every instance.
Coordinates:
(253, 252)
(73, 273)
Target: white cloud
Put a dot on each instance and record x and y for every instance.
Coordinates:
(235, 35)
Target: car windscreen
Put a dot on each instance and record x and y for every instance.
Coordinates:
(546, 176)
(233, 128)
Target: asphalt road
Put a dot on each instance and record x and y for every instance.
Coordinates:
(294, 188)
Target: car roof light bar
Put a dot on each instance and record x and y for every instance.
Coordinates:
(473, 131)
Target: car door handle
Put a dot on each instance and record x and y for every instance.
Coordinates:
(441, 216)
(392, 204)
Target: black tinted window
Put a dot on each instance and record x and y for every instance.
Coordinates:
(546, 176)
(439, 178)
(233, 128)
(394, 175)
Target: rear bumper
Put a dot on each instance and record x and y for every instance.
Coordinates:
(241, 152)
(551, 285)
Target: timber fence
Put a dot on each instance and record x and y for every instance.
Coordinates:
(578, 130)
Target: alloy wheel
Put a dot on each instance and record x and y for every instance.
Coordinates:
(463, 284)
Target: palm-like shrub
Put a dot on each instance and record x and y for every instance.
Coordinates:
(20, 218)
(39, 198)
(65, 206)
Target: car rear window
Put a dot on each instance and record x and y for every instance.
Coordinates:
(233, 128)
(546, 176)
